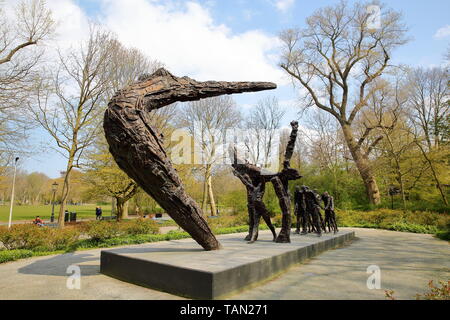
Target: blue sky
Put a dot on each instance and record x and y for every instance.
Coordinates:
(249, 29)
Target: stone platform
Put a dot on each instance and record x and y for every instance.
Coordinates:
(183, 268)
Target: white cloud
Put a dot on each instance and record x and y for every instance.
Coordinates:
(185, 38)
(72, 22)
(442, 32)
(284, 5)
(181, 34)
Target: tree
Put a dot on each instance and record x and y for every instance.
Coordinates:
(325, 146)
(105, 178)
(69, 104)
(261, 126)
(429, 111)
(207, 121)
(19, 59)
(102, 172)
(336, 59)
(429, 95)
(386, 112)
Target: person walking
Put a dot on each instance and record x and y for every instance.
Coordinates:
(98, 213)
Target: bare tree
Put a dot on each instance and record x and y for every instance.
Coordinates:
(323, 141)
(207, 121)
(70, 104)
(336, 59)
(102, 172)
(386, 113)
(261, 126)
(31, 24)
(429, 95)
(429, 112)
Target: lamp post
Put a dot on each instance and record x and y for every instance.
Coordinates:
(12, 193)
(54, 187)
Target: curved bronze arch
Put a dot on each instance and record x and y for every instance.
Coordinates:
(138, 149)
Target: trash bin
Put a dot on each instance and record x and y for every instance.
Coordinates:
(73, 217)
(66, 216)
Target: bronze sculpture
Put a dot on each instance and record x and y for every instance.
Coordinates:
(330, 215)
(313, 209)
(254, 178)
(255, 184)
(303, 219)
(137, 146)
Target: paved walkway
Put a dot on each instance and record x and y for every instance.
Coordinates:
(407, 262)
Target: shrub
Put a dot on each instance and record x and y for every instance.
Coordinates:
(436, 292)
(102, 230)
(63, 239)
(444, 234)
(32, 237)
(239, 219)
(23, 236)
(139, 226)
(441, 292)
(408, 221)
(11, 255)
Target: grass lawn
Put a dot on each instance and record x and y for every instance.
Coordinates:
(30, 212)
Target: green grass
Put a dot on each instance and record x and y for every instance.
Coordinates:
(87, 244)
(30, 212)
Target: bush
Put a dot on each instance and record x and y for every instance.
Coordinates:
(444, 234)
(139, 226)
(23, 236)
(436, 292)
(408, 221)
(239, 219)
(63, 239)
(11, 255)
(441, 292)
(102, 230)
(32, 237)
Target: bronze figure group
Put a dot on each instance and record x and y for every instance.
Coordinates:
(137, 147)
(307, 210)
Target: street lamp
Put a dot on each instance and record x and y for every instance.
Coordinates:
(12, 193)
(54, 187)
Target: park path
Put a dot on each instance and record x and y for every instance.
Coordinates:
(407, 262)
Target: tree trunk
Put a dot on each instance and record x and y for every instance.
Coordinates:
(362, 163)
(65, 193)
(205, 190)
(122, 208)
(137, 146)
(212, 201)
(433, 171)
(401, 183)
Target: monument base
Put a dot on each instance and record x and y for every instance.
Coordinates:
(183, 268)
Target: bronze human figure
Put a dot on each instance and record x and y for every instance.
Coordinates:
(322, 220)
(330, 215)
(255, 184)
(312, 208)
(300, 211)
(254, 178)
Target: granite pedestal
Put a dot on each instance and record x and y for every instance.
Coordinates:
(183, 268)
